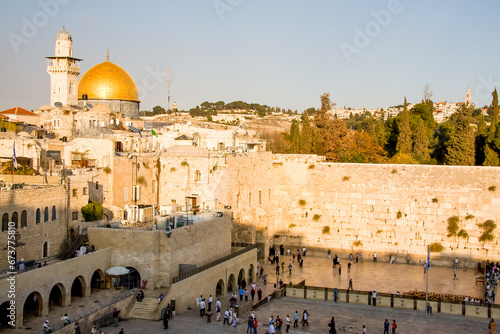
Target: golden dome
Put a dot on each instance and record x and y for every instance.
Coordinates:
(107, 81)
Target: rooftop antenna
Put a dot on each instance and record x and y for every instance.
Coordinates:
(168, 91)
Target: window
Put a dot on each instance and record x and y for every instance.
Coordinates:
(5, 222)
(96, 185)
(15, 218)
(74, 192)
(46, 215)
(45, 249)
(54, 216)
(74, 215)
(85, 190)
(38, 216)
(24, 219)
(197, 176)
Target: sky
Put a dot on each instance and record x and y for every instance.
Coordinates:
(283, 53)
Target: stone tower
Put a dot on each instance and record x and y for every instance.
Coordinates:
(468, 96)
(63, 69)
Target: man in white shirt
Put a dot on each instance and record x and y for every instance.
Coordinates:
(210, 303)
(287, 323)
(202, 308)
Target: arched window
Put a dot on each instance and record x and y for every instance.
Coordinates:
(54, 213)
(24, 219)
(38, 216)
(15, 218)
(45, 249)
(46, 215)
(5, 222)
(197, 175)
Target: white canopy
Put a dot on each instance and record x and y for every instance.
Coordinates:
(117, 271)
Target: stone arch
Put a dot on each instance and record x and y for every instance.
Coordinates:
(197, 176)
(5, 221)
(241, 276)
(231, 283)
(219, 288)
(78, 287)
(251, 274)
(33, 305)
(4, 315)
(15, 219)
(98, 280)
(45, 249)
(132, 279)
(57, 296)
(24, 218)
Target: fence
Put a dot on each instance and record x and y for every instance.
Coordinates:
(212, 264)
(393, 301)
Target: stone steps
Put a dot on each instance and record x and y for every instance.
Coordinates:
(146, 309)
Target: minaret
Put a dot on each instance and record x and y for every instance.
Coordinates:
(468, 96)
(63, 69)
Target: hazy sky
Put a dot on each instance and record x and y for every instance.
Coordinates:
(285, 53)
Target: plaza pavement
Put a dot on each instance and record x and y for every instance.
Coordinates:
(383, 277)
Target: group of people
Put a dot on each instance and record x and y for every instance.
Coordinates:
(492, 273)
(278, 324)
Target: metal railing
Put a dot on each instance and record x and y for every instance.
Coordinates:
(212, 264)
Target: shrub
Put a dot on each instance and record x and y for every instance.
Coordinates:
(492, 188)
(357, 243)
(92, 211)
(488, 227)
(436, 247)
(399, 215)
(435, 200)
(107, 170)
(311, 166)
(379, 231)
(346, 178)
(326, 229)
(141, 180)
(292, 225)
(184, 164)
(302, 202)
(173, 169)
(316, 217)
(469, 216)
(453, 226)
(394, 171)
(463, 234)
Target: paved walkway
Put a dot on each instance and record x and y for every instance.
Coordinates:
(348, 316)
(383, 277)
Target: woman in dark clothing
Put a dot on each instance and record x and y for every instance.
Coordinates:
(332, 326)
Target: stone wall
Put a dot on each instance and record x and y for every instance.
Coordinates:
(390, 209)
(30, 239)
(156, 256)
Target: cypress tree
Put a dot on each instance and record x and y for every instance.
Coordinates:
(461, 150)
(307, 135)
(421, 143)
(295, 138)
(404, 144)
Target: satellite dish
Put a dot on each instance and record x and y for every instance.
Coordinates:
(58, 105)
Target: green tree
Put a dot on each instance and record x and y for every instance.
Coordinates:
(295, 138)
(404, 145)
(92, 211)
(322, 116)
(461, 150)
(492, 142)
(306, 145)
(337, 141)
(158, 110)
(421, 143)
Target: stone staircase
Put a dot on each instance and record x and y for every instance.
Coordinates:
(147, 309)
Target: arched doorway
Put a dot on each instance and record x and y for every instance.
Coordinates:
(219, 289)
(231, 283)
(251, 276)
(132, 279)
(4, 315)
(97, 281)
(241, 276)
(45, 250)
(78, 287)
(56, 297)
(32, 306)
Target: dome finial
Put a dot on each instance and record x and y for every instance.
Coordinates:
(107, 55)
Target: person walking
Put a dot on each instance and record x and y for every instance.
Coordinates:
(65, 320)
(166, 318)
(332, 326)
(335, 295)
(246, 294)
(350, 285)
(77, 329)
(305, 318)
(202, 307)
(293, 258)
(296, 319)
(340, 269)
(290, 269)
(329, 254)
(374, 256)
(386, 326)
(349, 267)
(455, 273)
(210, 303)
(492, 326)
(240, 291)
(265, 279)
(255, 325)
(252, 293)
(250, 324)
(259, 294)
(364, 330)
(287, 323)
(394, 326)
(226, 318)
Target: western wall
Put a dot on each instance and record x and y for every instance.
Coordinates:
(388, 209)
